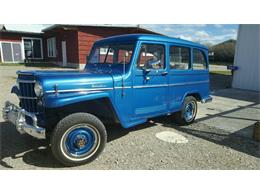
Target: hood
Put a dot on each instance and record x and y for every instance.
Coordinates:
(72, 80)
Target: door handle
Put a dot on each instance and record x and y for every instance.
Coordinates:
(164, 73)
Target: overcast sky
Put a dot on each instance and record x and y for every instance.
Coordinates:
(203, 33)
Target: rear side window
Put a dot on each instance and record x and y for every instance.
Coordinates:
(199, 60)
(179, 58)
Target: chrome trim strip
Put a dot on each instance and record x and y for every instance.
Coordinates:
(25, 97)
(126, 87)
(25, 81)
(79, 90)
(189, 83)
(170, 85)
(150, 86)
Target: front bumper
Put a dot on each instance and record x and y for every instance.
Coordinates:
(16, 115)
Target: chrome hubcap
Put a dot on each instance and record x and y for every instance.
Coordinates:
(189, 111)
(80, 142)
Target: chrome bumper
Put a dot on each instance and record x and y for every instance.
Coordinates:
(206, 100)
(17, 115)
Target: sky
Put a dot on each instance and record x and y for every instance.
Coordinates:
(202, 33)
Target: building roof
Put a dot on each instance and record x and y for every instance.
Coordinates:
(2, 27)
(9, 29)
(72, 26)
(38, 29)
(149, 37)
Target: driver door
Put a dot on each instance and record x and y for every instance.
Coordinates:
(150, 84)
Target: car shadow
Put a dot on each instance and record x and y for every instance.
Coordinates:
(234, 140)
(38, 152)
(29, 149)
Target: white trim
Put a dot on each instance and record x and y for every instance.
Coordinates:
(33, 38)
(11, 42)
(64, 53)
(80, 90)
(1, 52)
(51, 42)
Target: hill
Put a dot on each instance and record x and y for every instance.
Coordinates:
(223, 52)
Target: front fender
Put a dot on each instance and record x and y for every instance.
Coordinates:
(60, 100)
(15, 90)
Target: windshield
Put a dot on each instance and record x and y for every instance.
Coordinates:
(113, 54)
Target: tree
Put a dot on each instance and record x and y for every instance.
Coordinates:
(223, 52)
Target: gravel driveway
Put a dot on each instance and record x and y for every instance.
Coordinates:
(206, 147)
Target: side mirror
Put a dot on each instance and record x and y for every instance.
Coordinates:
(87, 59)
(151, 64)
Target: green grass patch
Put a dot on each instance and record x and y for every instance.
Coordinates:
(221, 63)
(11, 64)
(221, 72)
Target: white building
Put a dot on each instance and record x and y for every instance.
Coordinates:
(247, 58)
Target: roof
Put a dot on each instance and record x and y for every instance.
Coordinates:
(19, 32)
(71, 26)
(23, 28)
(38, 29)
(2, 27)
(149, 37)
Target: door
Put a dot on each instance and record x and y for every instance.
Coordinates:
(11, 52)
(32, 48)
(150, 83)
(17, 54)
(64, 53)
(180, 75)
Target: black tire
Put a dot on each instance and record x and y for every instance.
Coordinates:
(63, 130)
(179, 116)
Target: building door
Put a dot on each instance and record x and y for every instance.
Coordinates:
(64, 53)
(32, 48)
(11, 52)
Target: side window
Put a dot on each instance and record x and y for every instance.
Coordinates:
(151, 56)
(199, 60)
(179, 58)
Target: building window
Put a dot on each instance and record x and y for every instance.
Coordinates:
(179, 58)
(11, 52)
(51, 45)
(32, 48)
(199, 60)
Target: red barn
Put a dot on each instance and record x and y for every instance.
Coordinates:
(65, 45)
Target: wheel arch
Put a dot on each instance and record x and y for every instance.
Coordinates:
(102, 108)
(195, 94)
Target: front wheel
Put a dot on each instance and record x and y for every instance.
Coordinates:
(78, 139)
(188, 111)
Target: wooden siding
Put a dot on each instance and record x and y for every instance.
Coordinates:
(71, 39)
(88, 35)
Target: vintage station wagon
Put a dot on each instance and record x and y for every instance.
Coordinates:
(128, 79)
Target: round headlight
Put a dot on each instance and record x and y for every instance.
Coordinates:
(38, 89)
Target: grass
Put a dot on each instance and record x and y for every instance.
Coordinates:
(11, 64)
(221, 72)
(220, 63)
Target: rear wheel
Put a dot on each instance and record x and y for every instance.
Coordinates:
(188, 111)
(78, 139)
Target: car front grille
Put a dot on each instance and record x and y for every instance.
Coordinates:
(27, 96)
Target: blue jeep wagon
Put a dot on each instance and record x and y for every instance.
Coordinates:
(127, 79)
